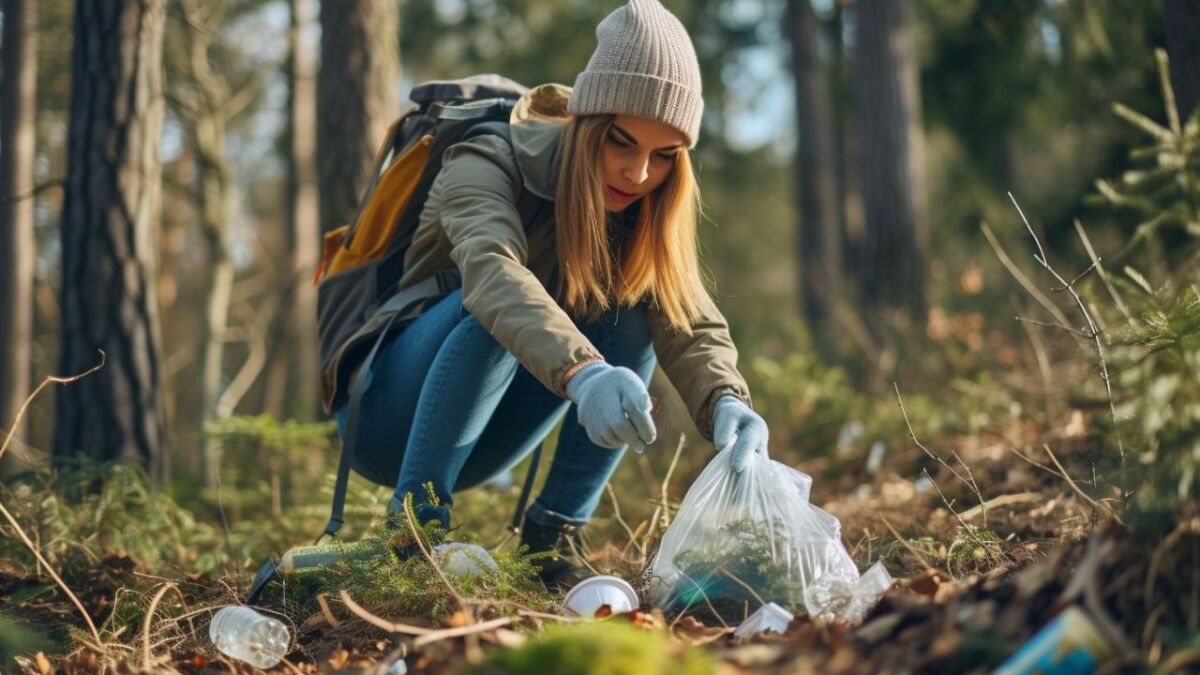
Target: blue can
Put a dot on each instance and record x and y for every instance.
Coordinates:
(1069, 645)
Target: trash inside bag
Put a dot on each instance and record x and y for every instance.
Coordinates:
(741, 540)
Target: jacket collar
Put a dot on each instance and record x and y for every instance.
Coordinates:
(537, 122)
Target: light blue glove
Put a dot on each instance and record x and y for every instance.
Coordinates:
(614, 406)
(736, 425)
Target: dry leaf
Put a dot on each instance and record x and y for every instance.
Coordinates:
(43, 664)
(459, 619)
(603, 612)
(337, 660)
(697, 633)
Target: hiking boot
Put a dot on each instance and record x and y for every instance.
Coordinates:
(564, 567)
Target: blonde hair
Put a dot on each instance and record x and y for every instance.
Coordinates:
(660, 261)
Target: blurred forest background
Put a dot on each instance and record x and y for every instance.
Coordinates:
(169, 165)
(855, 249)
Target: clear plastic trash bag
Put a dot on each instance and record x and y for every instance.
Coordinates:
(742, 540)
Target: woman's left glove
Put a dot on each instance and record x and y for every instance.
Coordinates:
(736, 425)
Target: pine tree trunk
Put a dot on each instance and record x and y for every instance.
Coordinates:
(818, 205)
(294, 371)
(356, 98)
(891, 167)
(110, 219)
(1182, 23)
(17, 136)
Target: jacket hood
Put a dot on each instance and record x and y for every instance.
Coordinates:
(538, 121)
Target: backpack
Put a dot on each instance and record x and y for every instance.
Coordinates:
(362, 262)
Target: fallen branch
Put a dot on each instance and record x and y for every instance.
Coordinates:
(461, 631)
(1002, 500)
(379, 622)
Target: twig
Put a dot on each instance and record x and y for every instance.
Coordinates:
(739, 582)
(617, 514)
(461, 631)
(13, 521)
(662, 511)
(1021, 278)
(904, 542)
(1087, 245)
(699, 589)
(1041, 258)
(149, 619)
(968, 480)
(1099, 506)
(1094, 265)
(1002, 500)
(326, 612)
(1046, 324)
(46, 382)
(61, 584)
(379, 622)
(412, 525)
(13, 199)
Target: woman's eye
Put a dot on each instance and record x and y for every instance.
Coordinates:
(617, 141)
(665, 156)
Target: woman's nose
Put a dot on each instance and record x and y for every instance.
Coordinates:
(637, 170)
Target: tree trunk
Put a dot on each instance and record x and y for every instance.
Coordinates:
(1182, 23)
(891, 167)
(294, 370)
(356, 98)
(818, 206)
(110, 218)
(17, 134)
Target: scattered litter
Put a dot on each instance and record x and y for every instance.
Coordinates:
(244, 634)
(461, 560)
(1069, 644)
(875, 457)
(923, 484)
(850, 433)
(834, 598)
(589, 595)
(769, 617)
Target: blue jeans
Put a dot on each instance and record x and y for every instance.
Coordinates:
(446, 404)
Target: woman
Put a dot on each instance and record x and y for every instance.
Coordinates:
(574, 306)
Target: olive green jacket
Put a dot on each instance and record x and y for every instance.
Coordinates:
(471, 221)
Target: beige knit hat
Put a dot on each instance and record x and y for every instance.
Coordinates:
(644, 65)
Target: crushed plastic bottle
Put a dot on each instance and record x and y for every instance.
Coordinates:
(461, 560)
(831, 597)
(246, 635)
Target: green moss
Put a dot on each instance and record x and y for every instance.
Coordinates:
(601, 648)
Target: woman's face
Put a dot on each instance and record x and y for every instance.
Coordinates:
(639, 154)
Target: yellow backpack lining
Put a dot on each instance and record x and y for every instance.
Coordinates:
(380, 215)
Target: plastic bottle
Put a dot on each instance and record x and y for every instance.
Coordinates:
(246, 635)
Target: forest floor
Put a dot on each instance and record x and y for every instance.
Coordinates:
(985, 553)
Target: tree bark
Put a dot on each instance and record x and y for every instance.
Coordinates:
(17, 140)
(1181, 20)
(818, 205)
(356, 98)
(294, 370)
(110, 224)
(891, 166)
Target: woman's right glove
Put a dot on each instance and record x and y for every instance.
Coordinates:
(614, 406)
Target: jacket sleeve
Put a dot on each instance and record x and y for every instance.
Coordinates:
(703, 365)
(478, 188)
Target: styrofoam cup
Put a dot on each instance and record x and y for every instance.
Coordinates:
(592, 593)
(461, 560)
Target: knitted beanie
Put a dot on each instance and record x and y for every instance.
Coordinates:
(644, 65)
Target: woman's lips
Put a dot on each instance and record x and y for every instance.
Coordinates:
(618, 196)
